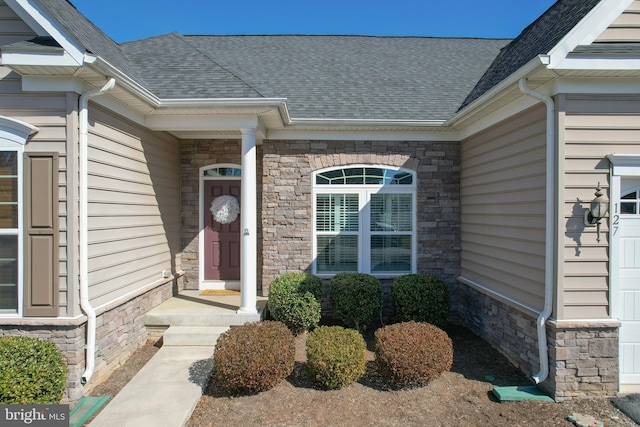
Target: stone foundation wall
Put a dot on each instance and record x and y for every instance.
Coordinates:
(583, 357)
(120, 332)
(583, 360)
(510, 331)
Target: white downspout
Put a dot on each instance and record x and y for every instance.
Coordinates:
(550, 222)
(84, 226)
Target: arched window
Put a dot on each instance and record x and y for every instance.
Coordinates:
(364, 220)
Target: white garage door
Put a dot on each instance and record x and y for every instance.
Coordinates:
(629, 287)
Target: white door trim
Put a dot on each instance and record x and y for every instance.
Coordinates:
(622, 165)
(202, 283)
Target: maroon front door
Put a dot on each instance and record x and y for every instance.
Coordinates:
(221, 241)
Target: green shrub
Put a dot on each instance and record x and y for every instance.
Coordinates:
(32, 371)
(411, 353)
(294, 299)
(421, 298)
(253, 357)
(336, 357)
(356, 298)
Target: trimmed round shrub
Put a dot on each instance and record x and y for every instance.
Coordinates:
(294, 299)
(412, 353)
(421, 298)
(253, 357)
(356, 298)
(336, 356)
(32, 371)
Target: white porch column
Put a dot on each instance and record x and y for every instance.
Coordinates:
(249, 213)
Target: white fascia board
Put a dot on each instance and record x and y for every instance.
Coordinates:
(492, 94)
(363, 135)
(75, 85)
(625, 164)
(53, 84)
(222, 102)
(310, 122)
(112, 104)
(268, 104)
(587, 30)
(170, 123)
(44, 25)
(101, 66)
(597, 64)
(54, 58)
(597, 85)
(503, 113)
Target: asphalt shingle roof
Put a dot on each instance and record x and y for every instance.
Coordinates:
(538, 38)
(90, 36)
(174, 69)
(345, 77)
(341, 77)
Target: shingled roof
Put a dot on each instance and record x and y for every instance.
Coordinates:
(344, 77)
(538, 38)
(90, 36)
(338, 77)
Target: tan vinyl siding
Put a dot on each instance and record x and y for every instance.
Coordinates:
(12, 28)
(47, 112)
(503, 209)
(626, 28)
(134, 206)
(588, 136)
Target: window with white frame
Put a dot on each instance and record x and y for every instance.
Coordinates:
(9, 230)
(364, 220)
(629, 202)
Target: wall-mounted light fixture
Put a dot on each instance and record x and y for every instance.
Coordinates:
(598, 210)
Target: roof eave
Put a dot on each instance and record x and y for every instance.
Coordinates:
(44, 25)
(493, 94)
(367, 123)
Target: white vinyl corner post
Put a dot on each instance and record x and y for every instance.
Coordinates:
(249, 230)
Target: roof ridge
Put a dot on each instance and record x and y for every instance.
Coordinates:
(206, 55)
(349, 35)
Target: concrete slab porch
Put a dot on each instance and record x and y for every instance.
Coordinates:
(189, 308)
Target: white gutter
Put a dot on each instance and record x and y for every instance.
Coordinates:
(84, 228)
(491, 94)
(548, 263)
(331, 122)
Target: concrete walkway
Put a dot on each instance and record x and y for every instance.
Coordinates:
(167, 389)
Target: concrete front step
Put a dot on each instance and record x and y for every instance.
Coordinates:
(192, 335)
(189, 310)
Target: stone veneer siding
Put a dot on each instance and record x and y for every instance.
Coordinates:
(583, 361)
(120, 332)
(285, 204)
(287, 168)
(583, 358)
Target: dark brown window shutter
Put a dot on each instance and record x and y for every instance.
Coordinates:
(41, 279)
